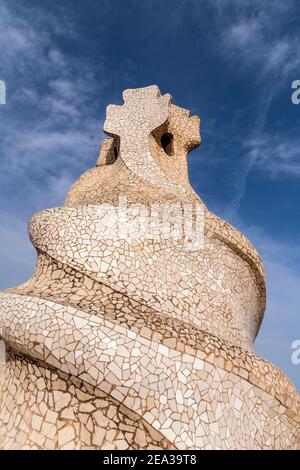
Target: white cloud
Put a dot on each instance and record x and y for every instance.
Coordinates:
(243, 33)
(278, 155)
(50, 130)
(256, 43)
(17, 255)
(54, 193)
(253, 36)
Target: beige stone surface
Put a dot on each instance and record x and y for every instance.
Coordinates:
(142, 338)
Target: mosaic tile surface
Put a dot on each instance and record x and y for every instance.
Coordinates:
(140, 340)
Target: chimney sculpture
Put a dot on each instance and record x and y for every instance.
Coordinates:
(136, 328)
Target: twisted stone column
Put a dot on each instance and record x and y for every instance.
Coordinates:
(136, 329)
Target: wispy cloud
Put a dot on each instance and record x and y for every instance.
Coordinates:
(279, 155)
(17, 255)
(257, 40)
(50, 125)
(279, 327)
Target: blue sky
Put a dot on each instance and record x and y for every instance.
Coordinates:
(230, 62)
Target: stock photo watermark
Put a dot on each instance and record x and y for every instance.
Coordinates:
(2, 92)
(158, 222)
(295, 97)
(296, 354)
(2, 352)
